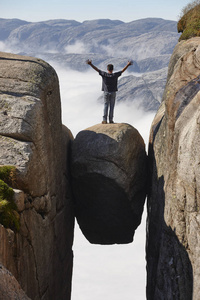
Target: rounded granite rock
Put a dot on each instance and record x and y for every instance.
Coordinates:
(109, 182)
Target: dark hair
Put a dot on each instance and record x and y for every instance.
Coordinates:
(110, 67)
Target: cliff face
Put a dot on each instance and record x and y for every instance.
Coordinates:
(173, 239)
(33, 139)
(9, 287)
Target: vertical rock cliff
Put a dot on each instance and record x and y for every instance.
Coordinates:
(173, 229)
(9, 287)
(33, 140)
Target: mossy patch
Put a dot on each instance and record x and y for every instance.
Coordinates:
(9, 216)
(8, 174)
(189, 24)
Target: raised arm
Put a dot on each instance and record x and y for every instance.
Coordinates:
(126, 67)
(89, 62)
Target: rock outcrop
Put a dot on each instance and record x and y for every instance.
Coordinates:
(109, 182)
(33, 139)
(9, 287)
(173, 231)
(189, 22)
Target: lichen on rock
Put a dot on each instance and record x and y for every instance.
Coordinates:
(9, 216)
(8, 174)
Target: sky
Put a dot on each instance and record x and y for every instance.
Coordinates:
(81, 10)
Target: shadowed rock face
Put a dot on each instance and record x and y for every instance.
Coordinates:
(9, 287)
(33, 139)
(109, 182)
(173, 235)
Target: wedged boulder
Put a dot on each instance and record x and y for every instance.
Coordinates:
(173, 231)
(109, 182)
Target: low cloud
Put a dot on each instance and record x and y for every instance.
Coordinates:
(77, 48)
(110, 49)
(4, 47)
(109, 272)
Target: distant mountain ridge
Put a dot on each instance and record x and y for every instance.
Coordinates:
(148, 42)
(61, 33)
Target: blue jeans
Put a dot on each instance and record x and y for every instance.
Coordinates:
(109, 102)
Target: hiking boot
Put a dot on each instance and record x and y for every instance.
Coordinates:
(104, 122)
(111, 122)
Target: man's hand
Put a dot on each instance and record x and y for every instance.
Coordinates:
(89, 62)
(128, 64)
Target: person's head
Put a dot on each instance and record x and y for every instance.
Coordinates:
(110, 68)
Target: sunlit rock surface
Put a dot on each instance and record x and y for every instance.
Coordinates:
(109, 182)
(173, 231)
(33, 139)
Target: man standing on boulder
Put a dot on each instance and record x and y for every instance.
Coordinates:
(109, 87)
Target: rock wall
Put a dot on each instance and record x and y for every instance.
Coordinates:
(9, 287)
(33, 139)
(173, 229)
